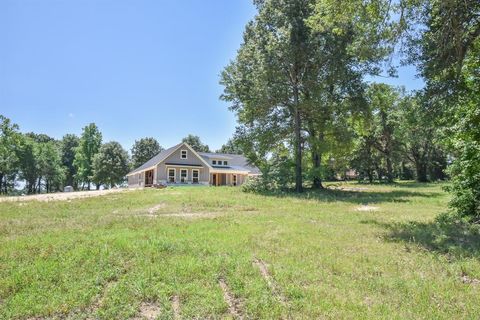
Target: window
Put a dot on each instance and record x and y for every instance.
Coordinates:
(234, 179)
(195, 176)
(183, 154)
(183, 175)
(214, 161)
(225, 163)
(171, 175)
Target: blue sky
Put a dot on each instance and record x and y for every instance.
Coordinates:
(136, 68)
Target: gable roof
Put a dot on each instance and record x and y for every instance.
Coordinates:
(162, 155)
(236, 161)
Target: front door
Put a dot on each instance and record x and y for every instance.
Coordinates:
(148, 178)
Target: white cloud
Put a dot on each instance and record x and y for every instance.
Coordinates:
(71, 115)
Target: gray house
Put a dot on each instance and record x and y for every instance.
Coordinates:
(181, 164)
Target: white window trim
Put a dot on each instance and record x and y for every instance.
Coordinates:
(198, 175)
(186, 176)
(186, 154)
(174, 175)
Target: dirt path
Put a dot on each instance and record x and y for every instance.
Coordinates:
(62, 196)
(176, 307)
(232, 302)
(261, 265)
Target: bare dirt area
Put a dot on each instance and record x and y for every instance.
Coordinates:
(366, 208)
(62, 196)
(148, 311)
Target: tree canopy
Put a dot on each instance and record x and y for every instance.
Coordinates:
(110, 164)
(89, 145)
(143, 150)
(196, 143)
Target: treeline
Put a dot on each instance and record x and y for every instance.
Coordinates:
(306, 113)
(45, 164)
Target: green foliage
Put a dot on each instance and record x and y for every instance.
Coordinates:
(143, 150)
(49, 166)
(28, 163)
(89, 146)
(69, 145)
(10, 140)
(232, 146)
(448, 56)
(195, 143)
(110, 164)
(292, 84)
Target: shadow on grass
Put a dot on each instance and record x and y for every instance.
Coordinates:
(454, 238)
(351, 195)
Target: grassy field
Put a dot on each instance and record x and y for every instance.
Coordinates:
(354, 251)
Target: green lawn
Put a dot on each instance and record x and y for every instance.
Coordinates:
(310, 256)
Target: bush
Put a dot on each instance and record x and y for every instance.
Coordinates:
(259, 184)
(465, 172)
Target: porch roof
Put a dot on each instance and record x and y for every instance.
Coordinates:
(229, 169)
(183, 165)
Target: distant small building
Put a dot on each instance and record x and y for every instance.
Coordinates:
(181, 165)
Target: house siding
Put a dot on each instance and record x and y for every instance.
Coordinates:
(136, 180)
(175, 158)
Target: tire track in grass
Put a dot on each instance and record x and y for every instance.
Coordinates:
(98, 302)
(262, 266)
(176, 307)
(234, 305)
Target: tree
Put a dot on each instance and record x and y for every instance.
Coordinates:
(9, 148)
(69, 145)
(297, 78)
(143, 150)
(89, 146)
(194, 142)
(110, 164)
(365, 158)
(28, 163)
(448, 57)
(265, 82)
(384, 99)
(231, 147)
(50, 167)
(420, 138)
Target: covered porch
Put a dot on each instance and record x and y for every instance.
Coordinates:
(222, 178)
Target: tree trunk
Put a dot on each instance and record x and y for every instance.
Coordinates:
(389, 169)
(297, 143)
(39, 185)
(421, 169)
(317, 180)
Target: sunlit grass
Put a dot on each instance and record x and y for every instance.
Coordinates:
(104, 256)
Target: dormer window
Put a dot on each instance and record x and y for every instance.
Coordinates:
(183, 154)
(225, 163)
(214, 161)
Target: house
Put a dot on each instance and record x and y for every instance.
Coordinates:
(181, 164)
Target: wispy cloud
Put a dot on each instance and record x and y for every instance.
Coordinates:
(71, 115)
